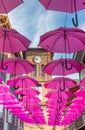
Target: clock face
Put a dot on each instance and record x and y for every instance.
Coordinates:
(37, 59)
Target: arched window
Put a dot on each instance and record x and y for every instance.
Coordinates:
(42, 73)
(35, 72)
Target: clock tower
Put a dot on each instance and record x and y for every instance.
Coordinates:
(39, 57)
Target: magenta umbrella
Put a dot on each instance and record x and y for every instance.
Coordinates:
(12, 42)
(56, 95)
(4, 89)
(62, 40)
(17, 66)
(28, 101)
(22, 82)
(58, 67)
(7, 97)
(70, 6)
(7, 5)
(1, 79)
(30, 92)
(31, 99)
(80, 93)
(82, 82)
(60, 83)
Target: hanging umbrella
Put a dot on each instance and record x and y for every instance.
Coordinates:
(60, 83)
(4, 89)
(63, 40)
(70, 6)
(7, 5)
(55, 94)
(1, 79)
(58, 67)
(17, 66)
(7, 98)
(30, 92)
(22, 82)
(80, 93)
(12, 42)
(82, 82)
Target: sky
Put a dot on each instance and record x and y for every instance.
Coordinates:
(32, 20)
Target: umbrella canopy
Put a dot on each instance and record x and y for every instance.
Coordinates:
(58, 67)
(62, 40)
(17, 66)
(80, 93)
(82, 82)
(4, 89)
(7, 97)
(12, 41)
(7, 5)
(56, 95)
(65, 6)
(1, 79)
(22, 82)
(60, 83)
(27, 92)
(31, 99)
(71, 6)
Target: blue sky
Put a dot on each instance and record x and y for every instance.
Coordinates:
(32, 20)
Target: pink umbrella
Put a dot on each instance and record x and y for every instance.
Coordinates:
(80, 93)
(12, 42)
(30, 92)
(1, 79)
(31, 99)
(60, 83)
(22, 82)
(58, 67)
(4, 89)
(17, 66)
(28, 101)
(62, 40)
(7, 5)
(7, 98)
(82, 82)
(71, 6)
(11, 103)
(56, 95)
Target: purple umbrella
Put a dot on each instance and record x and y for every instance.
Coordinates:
(70, 6)
(4, 89)
(82, 82)
(17, 66)
(30, 92)
(57, 95)
(60, 83)
(12, 42)
(80, 93)
(62, 40)
(22, 82)
(7, 5)
(58, 67)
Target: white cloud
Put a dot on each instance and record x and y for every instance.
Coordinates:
(82, 26)
(44, 24)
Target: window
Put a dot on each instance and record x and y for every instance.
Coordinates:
(35, 72)
(42, 73)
